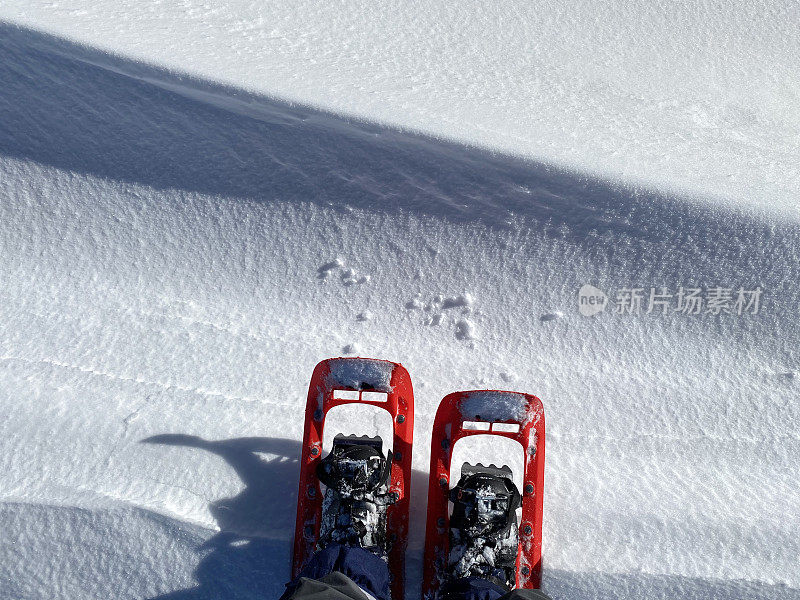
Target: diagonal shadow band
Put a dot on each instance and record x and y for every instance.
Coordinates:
(88, 112)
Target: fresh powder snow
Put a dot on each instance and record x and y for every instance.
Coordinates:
(200, 201)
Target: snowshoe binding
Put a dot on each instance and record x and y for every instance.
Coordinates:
(356, 474)
(484, 533)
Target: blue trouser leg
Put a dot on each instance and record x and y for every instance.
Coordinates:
(363, 567)
(370, 573)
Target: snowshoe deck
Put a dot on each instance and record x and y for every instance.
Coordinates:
(485, 412)
(356, 476)
(484, 536)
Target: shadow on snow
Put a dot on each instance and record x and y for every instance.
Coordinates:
(89, 112)
(86, 111)
(239, 561)
(245, 560)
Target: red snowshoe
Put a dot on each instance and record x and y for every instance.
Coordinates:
(481, 536)
(366, 498)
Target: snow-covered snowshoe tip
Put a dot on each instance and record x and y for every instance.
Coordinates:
(356, 475)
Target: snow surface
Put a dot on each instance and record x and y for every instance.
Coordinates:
(179, 254)
(697, 96)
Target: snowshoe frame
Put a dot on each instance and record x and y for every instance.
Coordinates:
(357, 375)
(455, 411)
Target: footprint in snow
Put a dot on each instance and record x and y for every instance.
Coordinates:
(551, 316)
(324, 271)
(508, 376)
(465, 330)
(350, 277)
(435, 311)
(347, 276)
(440, 303)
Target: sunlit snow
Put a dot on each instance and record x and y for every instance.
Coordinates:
(199, 201)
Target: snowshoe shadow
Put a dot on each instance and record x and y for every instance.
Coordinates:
(268, 468)
(249, 557)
